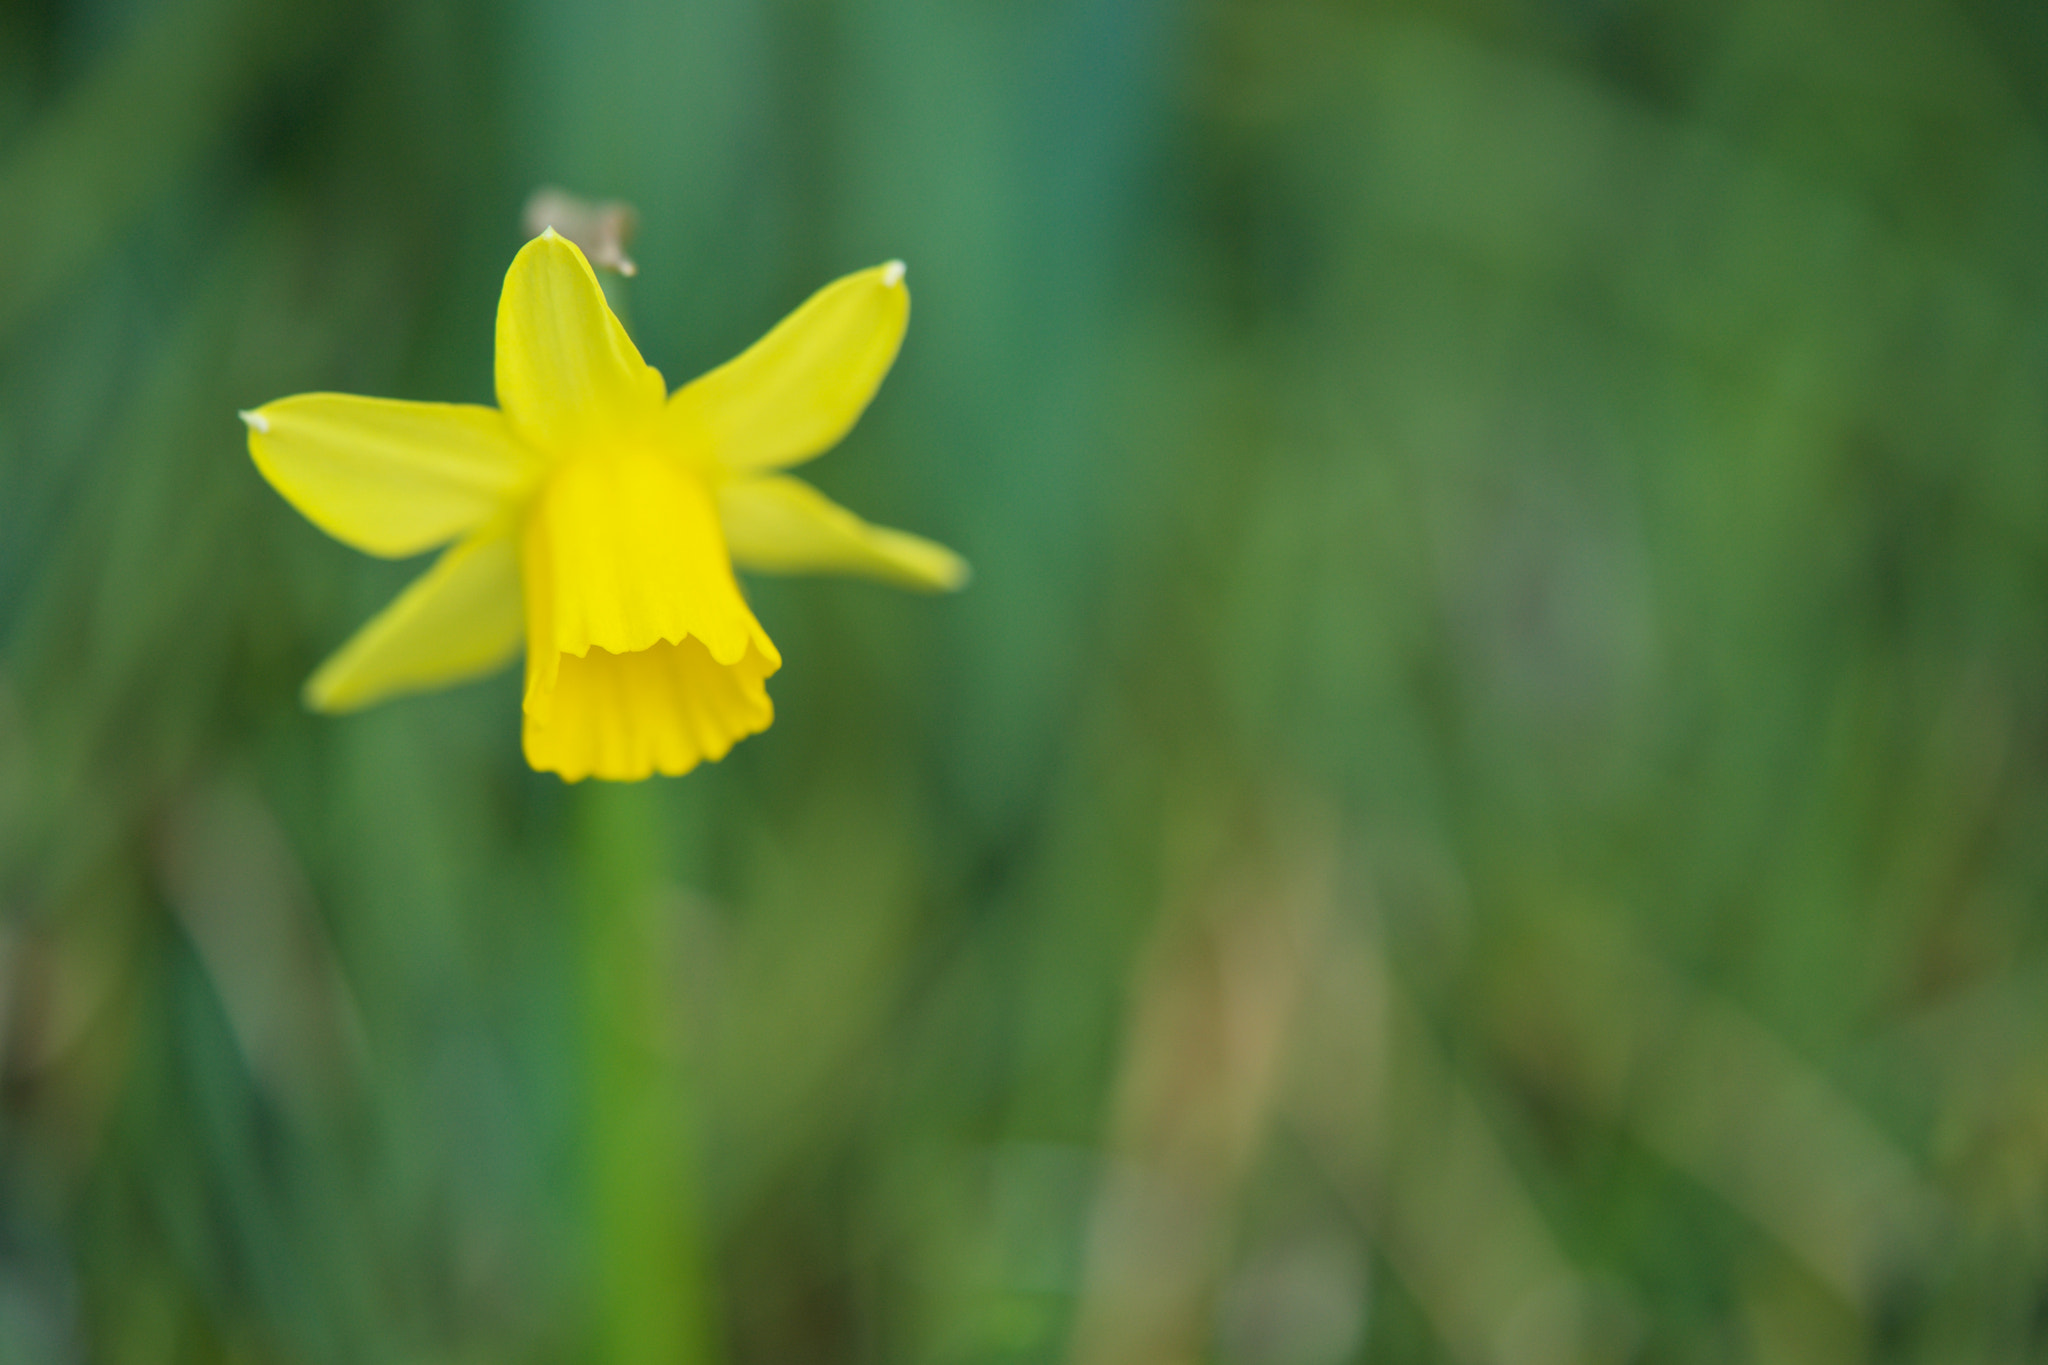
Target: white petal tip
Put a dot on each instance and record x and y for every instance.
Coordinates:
(257, 421)
(892, 274)
(549, 232)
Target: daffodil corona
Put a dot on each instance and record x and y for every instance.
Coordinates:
(598, 517)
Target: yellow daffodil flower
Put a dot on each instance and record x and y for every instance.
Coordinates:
(598, 517)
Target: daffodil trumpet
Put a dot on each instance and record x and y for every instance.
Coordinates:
(598, 518)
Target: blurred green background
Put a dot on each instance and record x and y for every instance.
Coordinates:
(1486, 803)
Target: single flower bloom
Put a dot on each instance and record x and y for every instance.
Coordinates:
(598, 517)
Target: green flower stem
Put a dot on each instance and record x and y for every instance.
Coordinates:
(648, 1291)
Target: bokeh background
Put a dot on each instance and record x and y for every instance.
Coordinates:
(1486, 803)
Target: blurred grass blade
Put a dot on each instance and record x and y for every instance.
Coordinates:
(133, 129)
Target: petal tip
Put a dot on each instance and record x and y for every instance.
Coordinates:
(256, 421)
(892, 274)
(318, 695)
(935, 568)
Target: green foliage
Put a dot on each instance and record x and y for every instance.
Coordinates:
(1486, 802)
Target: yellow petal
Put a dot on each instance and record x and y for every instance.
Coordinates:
(796, 391)
(660, 710)
(781, 524)
(457, 621)
(389, 478)
(568, 374)
(641, 654)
